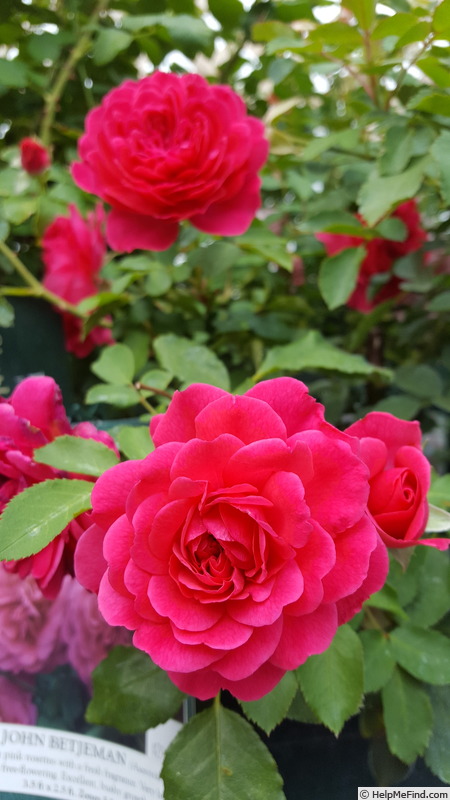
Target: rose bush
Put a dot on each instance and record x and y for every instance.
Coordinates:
(73, 254)
(399, 478)
(34, 157)
(33, 416)
(238, 546)
(169, 148)
(381, 255)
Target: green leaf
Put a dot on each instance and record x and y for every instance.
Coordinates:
(378, 660)
(439, 151)
(189, 33)
(408, 716)
(268, 245)
(419, 380)
(228, 14)
(425, 654)
(364, 11)
(386, 600)
(398, 150)
(400, 405)
(417, 33)
(134, 441)
(393, 229)
(271, 709)
(312, 351)
(439, 493)
(13, 74)
(76, 454)
(131, 693)
(120, 396)
(18, 209)
(157, 378)
(6, 313)
(379, 194)
(35, 516)
(332, 682)
(338, 275)
(190, 362)
(432, 599)
(109, 44)
(347, 139)
(438, 520)
(435, 70)
(441, 17)
(115, 365)
(441, 302)
(432, 102)
(436, 756)
(218, 756)
(395, 25)
(300, 711)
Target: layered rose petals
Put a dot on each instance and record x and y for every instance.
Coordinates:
(399, 478)
(169, 148)
(240, 543)
(74, 250)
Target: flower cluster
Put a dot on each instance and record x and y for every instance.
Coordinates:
(73, 254)
(380, 256)
(33, 416)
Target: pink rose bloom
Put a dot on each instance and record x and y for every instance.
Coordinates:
(168, 148)
(85, 634)
(33, 416)
(31, 627)
(381, 255)
(33, 156)
(236, 548)
(16, 703)
(73, 254)
(399, 478)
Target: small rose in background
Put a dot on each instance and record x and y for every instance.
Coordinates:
(168, 148)
(399, 478)
(236, 548)
(34, 157)
(33, 416)
(380, 258)
(73, 254)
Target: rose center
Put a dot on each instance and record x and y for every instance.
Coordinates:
(208, 547)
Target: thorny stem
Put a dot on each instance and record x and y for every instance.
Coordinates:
(38, 290)
(74, 56)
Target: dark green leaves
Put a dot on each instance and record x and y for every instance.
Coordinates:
(423, 653)
(35, 516)
(338, 275)
(332, 682)
(407, 715)
(131, 693)
(190, 362)
(218, 756)
(271, 709)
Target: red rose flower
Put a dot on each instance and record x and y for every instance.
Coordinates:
(33, 156)
(236, 548)
(381, 254)
(399, 478)
(33, 416)
(73, 254)
(169, 148)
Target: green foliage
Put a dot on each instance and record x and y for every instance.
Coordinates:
(332, 682)
(271, 709)
(78, 455)
(35, 516)
(221, 736)
(407, 716)
(131, 693)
